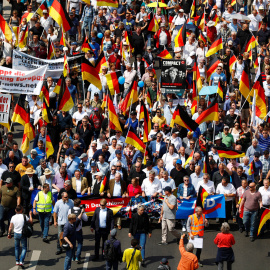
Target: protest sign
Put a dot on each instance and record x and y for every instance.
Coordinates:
(4, 108)
(22, 82)
(22, 61)
(173, 76)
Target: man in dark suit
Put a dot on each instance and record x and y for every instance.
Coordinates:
(102, 222)
(29, 182)
(157, 148)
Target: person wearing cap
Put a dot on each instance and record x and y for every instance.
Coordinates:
(10, 198)
(119, 157)
(29, 182)
(96, 183)
(75, 148)
(47, 177)
(115, 58)
(132, 121)
(75, 32)
(164, 265)
(167, 215)
(227, 138)
(95, 47)
(72, 162)
(178, 173)
(46, 21)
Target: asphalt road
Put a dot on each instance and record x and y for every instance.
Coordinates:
(41, 256)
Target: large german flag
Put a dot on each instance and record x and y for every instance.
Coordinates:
(229, 153)
(164, 54)
(180, 39)
(59, 14)
(215, 47)
(5, 28)
(232, 61)
(44, 93)
(211, 67)
(264, 217)
(110, 3)
(113, 118)
(90, 73)
(21, 111)
(49, 146)
(260, 106)
(244, 84)
(65, 101)
(131, 96)
(133, 139)
(144, 114)
(112, 82)
(182, 118)
(43, 6)
(153, 24)
(250, 44)
(210, 114)
(202, 195)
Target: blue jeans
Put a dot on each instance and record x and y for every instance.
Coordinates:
(68, 258)
(44, 219)
(250, 222)
(87, 22)
(79, 238)
(142, 238)
(5, 214)
(149, 40)
(19, 239)
(112, 265)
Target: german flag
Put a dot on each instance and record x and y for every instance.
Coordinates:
(62, 38)
(201, 22)
(131, 97)
(250, 44)
(229, 153)
(144, 114)
(260, 106)
(153, 24)
(197, 76)
(15, 31)
(233, 2)
(23, 38)
(133, 139)
(193, 9)
(211, 67)
(49, 146)
(103, 184)
(164, 54)
(112, 82)
(21, 111)
(46, 114)
(189, 159)
(202, 195)
(5, 28)
(90, 73)
(103, 63)
(43, 6)
(145, 154)
(87, 2)
(210, 114)
(65, 101)
(251, 168)
(202, 37)
(85, 46)
(214, 17)
(59, 14)
(232, 60)
(182, 118)
(44, 93)
(264, 217)
(256, 63)
(109, 3)
(180, 39)
(220, 90)
(244, 83)
(194, 106)
(149, 99)
(28, 135)
(58, 85)
(113, 118)
(66, 70)
(25, 143)
(215, 47)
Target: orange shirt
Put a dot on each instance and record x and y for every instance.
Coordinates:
(188, 260)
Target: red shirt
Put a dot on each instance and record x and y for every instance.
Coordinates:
(211, 33)
(133, 191)
(224, 240)
(115, 60)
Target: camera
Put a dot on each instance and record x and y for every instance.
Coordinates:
(82, 206)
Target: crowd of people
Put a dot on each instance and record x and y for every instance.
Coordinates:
(87, 148)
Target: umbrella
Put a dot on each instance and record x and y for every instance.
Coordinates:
(155, 4)
(240, 17)
(208, 90)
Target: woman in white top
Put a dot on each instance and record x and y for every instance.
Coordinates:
(201, 51)
(16, 223)
(235, 131)
(202, 68)
(87, 107)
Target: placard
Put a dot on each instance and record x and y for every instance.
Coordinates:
(4, 108)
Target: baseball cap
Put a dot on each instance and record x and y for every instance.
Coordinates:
(93, 39)
(179, 161)
(116, 50)
(93, 164)
(34, 152)
(76, 142)
(9, 180)
(83, 155)
(230, 42)
(113, 232)
(192, 53)
(164, 261)
(226, 127)
(95, 109)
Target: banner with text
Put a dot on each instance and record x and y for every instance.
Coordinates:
(22, 61)
(22, 82)
(4, 108)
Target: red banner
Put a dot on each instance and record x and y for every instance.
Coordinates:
(115, 204)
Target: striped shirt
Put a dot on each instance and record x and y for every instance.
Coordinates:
(264, 143)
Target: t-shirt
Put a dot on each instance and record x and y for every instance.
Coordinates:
(252, 200)
(21, 169)
(167, 212)
(9, 196)
(18, 222)
(177, 176)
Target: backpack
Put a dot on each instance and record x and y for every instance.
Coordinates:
(109, 251)
(27, 230)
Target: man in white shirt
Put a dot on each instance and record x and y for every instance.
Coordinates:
(170, 156)
(189, 47)
(227, 15)
(151, 186)
(265, 192)
(129, 75)
(35, 108)
(266, 87)
(255, 20)
(46, 21)
(207, 184)
(238, 68)
(175, 140)
(167, 181)
(120, 139)
(196, 177)
(78, 116)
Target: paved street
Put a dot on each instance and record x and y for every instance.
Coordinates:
(248, 255)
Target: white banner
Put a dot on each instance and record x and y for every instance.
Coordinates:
(22, 61)
(4, 108)
(22, 82)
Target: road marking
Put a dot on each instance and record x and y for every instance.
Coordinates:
(87, 257)
(34, 259)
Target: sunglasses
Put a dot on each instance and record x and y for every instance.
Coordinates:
(103, 205)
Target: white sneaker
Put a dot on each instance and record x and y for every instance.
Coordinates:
(184, 229)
